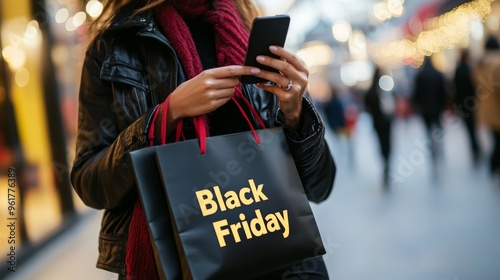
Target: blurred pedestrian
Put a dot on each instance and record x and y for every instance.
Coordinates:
(377, 104)
(464, 100)
(429, 99)
(335, 113)
(488, 96)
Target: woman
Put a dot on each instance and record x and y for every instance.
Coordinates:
(191, 51)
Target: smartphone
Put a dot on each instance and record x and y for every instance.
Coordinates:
(266, 31)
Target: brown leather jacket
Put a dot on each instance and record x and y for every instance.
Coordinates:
(128, 70)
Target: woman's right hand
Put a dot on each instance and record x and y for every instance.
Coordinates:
(204, 93)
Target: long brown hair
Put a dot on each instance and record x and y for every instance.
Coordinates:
(248, 10)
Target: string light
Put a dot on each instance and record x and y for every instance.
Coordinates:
(445, 31)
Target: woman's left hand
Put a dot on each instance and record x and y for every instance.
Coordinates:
(289, 84)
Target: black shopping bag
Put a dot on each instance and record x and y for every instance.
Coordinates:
(154, 204)
(238, 208)
(155, 207)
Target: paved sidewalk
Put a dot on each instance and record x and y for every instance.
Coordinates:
(72, 257)
(440, 225)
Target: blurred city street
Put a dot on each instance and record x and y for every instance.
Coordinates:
(409, 92)
(442, 227)
(439, 225)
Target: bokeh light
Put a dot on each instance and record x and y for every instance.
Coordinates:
(94, 8)
(22, 77)
(79, 18)
(316, 53)
(15, 57)
(62, 15)
(341, 30)
(386, 83)
(70, 26)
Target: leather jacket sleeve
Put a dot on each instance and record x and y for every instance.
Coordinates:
(311, 153)
(101, 174)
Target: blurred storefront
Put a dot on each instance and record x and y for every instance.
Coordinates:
(41, 56)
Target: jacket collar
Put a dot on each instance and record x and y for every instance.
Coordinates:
(142, 24)
(126, 18)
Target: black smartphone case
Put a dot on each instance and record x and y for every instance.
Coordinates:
(266, 31)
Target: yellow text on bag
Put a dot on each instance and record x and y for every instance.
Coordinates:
(230, 200)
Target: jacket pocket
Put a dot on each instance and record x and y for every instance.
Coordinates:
(131, 96)
(123, 74)
(112, 254)
(129, 103)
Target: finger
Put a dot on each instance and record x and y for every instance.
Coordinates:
(293, 59)
(268, 87)
(232, 71)
(281, 65)
(274, 89)
(223, 83)
(274, 77)
(222, 93)
(214, 104)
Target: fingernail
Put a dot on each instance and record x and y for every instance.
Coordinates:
(260, 58)
(255, 70)
(273, 48)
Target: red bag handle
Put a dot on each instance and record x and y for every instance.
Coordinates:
(151, 132)
(252, 109)
(199, 124)
(255, 135)
(163, 129)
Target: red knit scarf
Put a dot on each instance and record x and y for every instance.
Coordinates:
(230, 44)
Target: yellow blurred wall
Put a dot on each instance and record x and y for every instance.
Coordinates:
(20, 33)
(28, 99)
